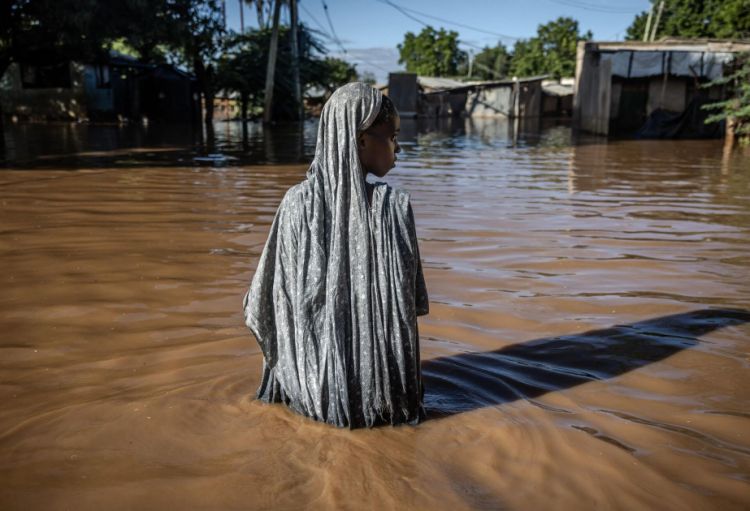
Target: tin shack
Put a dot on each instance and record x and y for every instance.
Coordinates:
(650, 89)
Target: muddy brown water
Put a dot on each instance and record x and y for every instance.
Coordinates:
(587, 346)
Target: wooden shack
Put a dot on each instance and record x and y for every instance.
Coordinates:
(557, 97)
(429, 96)
(117, 87)
(620, 85)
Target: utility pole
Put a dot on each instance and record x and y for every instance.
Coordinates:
(658, 18)
(516, 109)
(242, 16)
(647, 32)
(271, 68)
(471, 54)
(295, 61)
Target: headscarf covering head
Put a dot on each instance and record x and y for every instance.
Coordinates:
(351, 109)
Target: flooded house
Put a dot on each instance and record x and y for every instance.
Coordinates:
(117, 88)
(557, 97)
(427, 96)
(650, 89)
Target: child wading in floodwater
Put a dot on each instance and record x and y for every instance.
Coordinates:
(334, 300)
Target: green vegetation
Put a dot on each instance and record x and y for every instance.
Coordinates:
(552, 51)
(242, 68)
(188, 33)
(432, 52)
(491, 63)
(728, 19)
(736, 110)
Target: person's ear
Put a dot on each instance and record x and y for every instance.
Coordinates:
(361, 140)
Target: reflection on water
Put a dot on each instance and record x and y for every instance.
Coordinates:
(587, 343)
(76, 146)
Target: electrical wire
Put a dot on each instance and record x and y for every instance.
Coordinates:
(330, 24)
(476, 29)
(335, 38)
(594, 7)
(324, 31)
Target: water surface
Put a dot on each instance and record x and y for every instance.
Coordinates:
(587, 346)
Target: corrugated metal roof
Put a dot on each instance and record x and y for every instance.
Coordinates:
(438, 83)
(557, 89)
(507, 81)
(674, 44)
(449, 85)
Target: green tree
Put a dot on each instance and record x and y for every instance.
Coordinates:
(736, 109)
(432, 52)
(552, 51)
(368, 77)
(528, 58)
(48, 31)
(144, 29)
(196, 34)
(491, 63)
(635, 31)
(728, 19)
(242, 68)
(332, 73)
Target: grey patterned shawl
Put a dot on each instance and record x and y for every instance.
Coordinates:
(334, 299)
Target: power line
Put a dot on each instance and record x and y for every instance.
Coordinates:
(426, 15)
(403, 11)
(335, 38)
(318, 23)
(322, 30)
(330, 24)
(594, 7)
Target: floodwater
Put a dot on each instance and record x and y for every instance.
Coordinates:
(587, 344)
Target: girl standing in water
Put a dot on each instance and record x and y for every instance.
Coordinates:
(334, 300)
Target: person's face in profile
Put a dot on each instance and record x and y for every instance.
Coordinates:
(378, 147)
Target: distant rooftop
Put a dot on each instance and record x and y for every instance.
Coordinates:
(438, 84)
(675, 44)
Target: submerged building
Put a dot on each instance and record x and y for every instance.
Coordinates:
(650, 89)
(116, 88)
(427, 96)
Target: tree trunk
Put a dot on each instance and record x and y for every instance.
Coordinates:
(729, 132)
(4, 65)
(271, 68)
(243, 105)
(297, 87)
(209, 98)
(205, 76)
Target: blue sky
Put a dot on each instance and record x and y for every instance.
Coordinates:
(369, 30)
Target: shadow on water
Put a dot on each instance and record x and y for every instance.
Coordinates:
(470, 381)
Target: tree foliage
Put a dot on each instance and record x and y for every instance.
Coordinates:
(189, 33)
(736, 108)
(432, 52)
(491, 63)
(47, 31)
(724, 19)
(242, 68)
(196, 30)
(552, 51)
